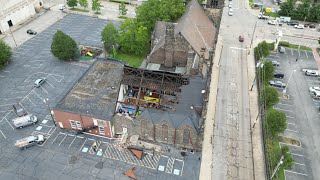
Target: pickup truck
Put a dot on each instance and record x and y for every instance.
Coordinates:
(29, 141)
(277, 84)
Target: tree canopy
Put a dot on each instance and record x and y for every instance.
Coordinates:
(72, 3)
(276, 122)
(109, 36)
(159, 10)
(5, 53)
(63, 46)
(96, 5)
(133, 37)
(83, 3)
(122, 9)
(270, 96)
(305, 11)
(287, 158)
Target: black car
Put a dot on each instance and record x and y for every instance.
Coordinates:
(310, 25)
(31, 32)
(278, 75)
(293, 23)
(18, 109)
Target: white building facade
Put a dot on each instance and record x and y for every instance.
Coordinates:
(14, 12)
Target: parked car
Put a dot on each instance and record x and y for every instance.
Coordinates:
(312, 73)
(272, 22)
(21, 122)
(264, 17)
(277, 84)
(293, 23)
(281, 49)
(230, 13)
(278, 75)
(39, 82)
(275, 63)
(30, 141)
(31, 32)
(310, 25)
(18, 109)
(230, 5)
(300, 26)
(313, 89)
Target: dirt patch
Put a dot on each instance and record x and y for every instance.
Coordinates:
(289, 140)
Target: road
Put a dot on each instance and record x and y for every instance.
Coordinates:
(232, 153)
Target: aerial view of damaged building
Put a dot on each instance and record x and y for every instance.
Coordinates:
(162, 103)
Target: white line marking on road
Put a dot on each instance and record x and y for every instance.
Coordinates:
(292, 130)
(80, 137)
(182, 166)
(283, 109)
(72, 142)
(291, 123)
(63, 140)
(44, 89)
(3, 134)
(90, 139)
(290, 117)
(295, 172)
(306, 53)
(284, 104)
(31, 101)
(50, 84)
(8, 123)
(6, 105)
(297, 155)
(49, 135)
(55, 138)
(238, 48)
(12, 98)
(291, 52)
(299, 164)
(83, 144)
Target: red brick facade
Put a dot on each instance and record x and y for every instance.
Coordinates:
(67, 120)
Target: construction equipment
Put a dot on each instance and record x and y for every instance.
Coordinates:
(29, 141)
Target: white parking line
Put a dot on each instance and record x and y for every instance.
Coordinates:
(50, 84)
(63, 139)
(3, 134)
(299, 164)
(284, 104)
(283, 109)
(306, 53)
(55, 138)
(291, 52)
(8, 123)
(31, 101)
(44, 89)
(72, 141)
(290, 117)
(238, 48)
(295, 173)
(6, 105)
(297, 155)
(83, 144)
(292, 130)
(291, 123)
(182, 165)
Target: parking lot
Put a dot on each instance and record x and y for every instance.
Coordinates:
(302, 111)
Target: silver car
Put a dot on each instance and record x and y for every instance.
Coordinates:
(39, 82)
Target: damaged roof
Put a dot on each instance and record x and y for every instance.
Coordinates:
(195, 26)
(96, 92)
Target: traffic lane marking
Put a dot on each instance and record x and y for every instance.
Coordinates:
(3, 134)
(302, 174)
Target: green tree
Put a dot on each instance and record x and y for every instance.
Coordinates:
(266, 72)
(109, 36)
(5, 53)
(287, 8)
(314, 13)
(122, 9)
(159, 10)
(302, 11)
(133, 38)
(287, 158)
(72, 3)
(270, 96)
(96, 6)
(83, 3)
(276, 122)
(63, 46)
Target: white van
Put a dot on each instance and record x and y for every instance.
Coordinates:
(23, 121)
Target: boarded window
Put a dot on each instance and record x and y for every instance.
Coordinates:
(186, 136)
(164, 132)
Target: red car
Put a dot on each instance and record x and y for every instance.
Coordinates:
(18, 109)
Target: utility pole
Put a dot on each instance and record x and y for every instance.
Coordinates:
(14, 40)
(51, 112)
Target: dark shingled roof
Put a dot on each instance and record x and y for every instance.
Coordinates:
(96, 93)
(195, 26)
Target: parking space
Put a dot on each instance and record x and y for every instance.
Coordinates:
(300, 108)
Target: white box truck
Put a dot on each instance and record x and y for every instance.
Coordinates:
(29, 141)
(23, 121)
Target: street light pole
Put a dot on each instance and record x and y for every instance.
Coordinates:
(277, 167)
(14, 40)
(51, 113)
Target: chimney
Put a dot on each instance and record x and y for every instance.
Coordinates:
(169, 45)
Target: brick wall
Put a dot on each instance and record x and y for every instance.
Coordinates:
(63, 121)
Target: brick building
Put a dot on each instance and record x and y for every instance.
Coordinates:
(188, 43)
(90, 105)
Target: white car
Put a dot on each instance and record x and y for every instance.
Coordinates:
(300, 26)
(272, 22)
(230, 12)
(230, 5)
(39, 82)
(312, 73)
(313, 89)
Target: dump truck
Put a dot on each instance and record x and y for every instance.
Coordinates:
(29, 141)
